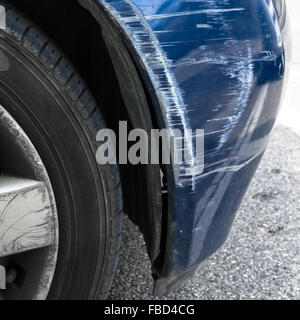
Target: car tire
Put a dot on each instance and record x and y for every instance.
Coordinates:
(50, 101)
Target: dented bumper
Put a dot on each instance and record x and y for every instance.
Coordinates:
(218, 66)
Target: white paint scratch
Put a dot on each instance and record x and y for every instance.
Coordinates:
(188, 13)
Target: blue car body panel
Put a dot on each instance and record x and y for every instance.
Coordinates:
(217, 65)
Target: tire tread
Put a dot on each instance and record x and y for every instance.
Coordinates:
(61, 71)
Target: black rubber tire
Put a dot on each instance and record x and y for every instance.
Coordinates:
(41, 89)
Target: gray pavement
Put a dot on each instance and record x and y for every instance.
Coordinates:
(261, 259)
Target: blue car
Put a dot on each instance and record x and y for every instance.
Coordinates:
(72, 73)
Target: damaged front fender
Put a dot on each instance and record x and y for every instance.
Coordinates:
(213, 65)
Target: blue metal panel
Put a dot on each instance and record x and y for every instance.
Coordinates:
(216, 65)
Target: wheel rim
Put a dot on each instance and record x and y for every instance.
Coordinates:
(28, 216)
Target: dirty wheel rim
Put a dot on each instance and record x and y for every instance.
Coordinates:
(28, 217)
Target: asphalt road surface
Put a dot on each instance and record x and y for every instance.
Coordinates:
(261, 259)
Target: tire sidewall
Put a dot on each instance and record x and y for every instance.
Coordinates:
(67, 148)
